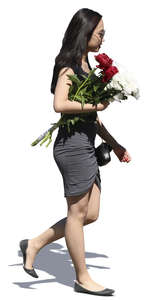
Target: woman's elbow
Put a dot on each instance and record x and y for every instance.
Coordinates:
(57, 108)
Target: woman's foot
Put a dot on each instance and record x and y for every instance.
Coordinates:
(31, 252)
(90, 284)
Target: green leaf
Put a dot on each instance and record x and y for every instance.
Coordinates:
(85, 77)
(73, 122)
(74, 78)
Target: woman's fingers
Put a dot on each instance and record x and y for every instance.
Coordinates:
(103, 105)
(126, 157)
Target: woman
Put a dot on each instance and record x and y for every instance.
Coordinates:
(74, 151)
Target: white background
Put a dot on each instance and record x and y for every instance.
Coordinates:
(32, 195)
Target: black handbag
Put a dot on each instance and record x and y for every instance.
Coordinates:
(102, 153)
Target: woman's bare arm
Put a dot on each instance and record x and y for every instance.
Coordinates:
(105, 135)
(61, 102)
(71, 107)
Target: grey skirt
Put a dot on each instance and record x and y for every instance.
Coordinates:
(74, 155)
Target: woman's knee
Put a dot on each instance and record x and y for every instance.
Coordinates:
(93, 205)
(91, 218)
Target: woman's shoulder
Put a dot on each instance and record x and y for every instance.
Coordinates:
(75, 67)
(65, 69)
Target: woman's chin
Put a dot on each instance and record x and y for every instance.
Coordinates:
(95, 49)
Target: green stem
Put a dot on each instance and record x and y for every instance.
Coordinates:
(84, 82)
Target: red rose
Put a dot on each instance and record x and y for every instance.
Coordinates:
(104, 60)
(109, 73)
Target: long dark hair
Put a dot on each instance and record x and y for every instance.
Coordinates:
(75, 41)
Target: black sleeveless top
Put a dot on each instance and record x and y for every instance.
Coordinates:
(88, 116)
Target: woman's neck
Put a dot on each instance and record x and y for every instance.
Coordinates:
(84, 57)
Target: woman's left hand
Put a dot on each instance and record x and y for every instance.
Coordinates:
(122, 154)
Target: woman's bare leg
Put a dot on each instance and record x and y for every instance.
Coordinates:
(57, 231)
(50, 235)
(74, 236)
(72, 226)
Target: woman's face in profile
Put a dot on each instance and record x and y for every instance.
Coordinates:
(96, 37)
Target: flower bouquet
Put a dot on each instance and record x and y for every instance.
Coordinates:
(109, 84)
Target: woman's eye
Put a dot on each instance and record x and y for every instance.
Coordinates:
(101, 34)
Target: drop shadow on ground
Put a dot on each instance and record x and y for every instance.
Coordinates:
(55, 261)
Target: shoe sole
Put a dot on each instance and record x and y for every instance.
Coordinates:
(105, 292)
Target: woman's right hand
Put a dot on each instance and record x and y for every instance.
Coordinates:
(102, 105)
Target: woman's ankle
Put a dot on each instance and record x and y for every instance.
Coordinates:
(83, 277)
